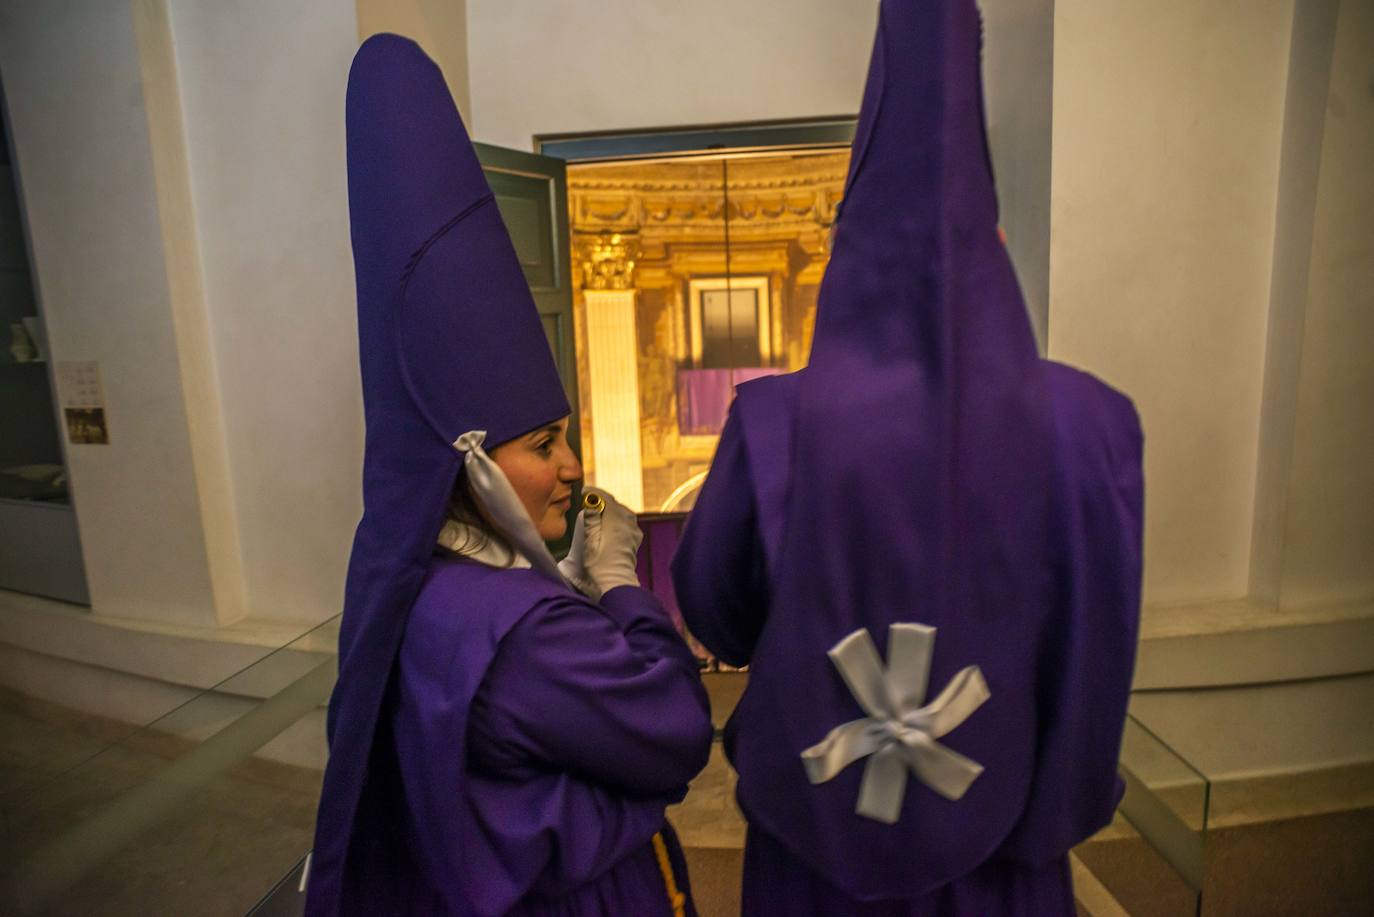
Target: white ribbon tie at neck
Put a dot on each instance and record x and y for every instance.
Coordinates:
(900, 729)
(497, 497)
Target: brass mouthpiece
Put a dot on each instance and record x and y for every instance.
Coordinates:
(592, 502)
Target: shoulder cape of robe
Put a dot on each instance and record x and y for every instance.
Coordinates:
(1068, 686)
(460, 816)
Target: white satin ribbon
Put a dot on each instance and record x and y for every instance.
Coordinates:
(899, 731)
(494, 493)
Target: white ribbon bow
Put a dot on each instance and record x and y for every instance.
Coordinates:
(898, 732)
(497, 497)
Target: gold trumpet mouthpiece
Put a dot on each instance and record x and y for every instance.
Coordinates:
(593, 503)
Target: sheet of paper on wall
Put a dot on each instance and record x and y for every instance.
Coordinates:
(83, 402)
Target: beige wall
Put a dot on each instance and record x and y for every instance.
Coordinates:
(84, 158)
(1169, 136)
(183, 180)
(1167, 126)
(1329, 531)
(439, 26)
(1018, 85)
(264, 139)
(1304, 118)
(546, 67)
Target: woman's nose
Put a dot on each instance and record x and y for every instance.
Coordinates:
(572, 468)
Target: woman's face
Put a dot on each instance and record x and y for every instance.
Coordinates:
(542, 468)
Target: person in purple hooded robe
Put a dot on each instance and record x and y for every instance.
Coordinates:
(926, 545)
(506, 732)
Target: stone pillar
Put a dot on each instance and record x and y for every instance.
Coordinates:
(1314, 525)
(613, 361)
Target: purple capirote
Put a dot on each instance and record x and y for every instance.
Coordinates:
(927, 467)
(425, 808)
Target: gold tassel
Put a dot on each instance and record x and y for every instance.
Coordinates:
(675, 898)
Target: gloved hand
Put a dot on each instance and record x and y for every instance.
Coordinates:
(574, 565)
(611, 544)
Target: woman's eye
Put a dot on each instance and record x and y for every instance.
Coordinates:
(545, 447)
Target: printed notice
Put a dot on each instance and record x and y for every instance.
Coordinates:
(83, 402)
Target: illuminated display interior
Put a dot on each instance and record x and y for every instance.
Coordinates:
(693, 275)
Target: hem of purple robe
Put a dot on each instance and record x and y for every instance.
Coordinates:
(635, 885)
(776, 882)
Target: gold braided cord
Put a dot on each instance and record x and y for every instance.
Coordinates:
(675, 898)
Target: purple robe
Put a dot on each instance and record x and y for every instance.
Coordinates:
(1080, 660)
(927, 507)
(498, 743)
(534, 740)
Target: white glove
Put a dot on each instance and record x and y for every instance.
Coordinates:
(574, 565)
(610, 544)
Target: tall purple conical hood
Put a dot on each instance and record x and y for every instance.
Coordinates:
(919, 490)
(450, 341)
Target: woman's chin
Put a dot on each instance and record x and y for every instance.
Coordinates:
(553, 529)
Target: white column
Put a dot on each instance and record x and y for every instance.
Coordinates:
(191, 324)
(613, 364)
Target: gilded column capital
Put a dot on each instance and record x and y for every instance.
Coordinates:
(607, 261)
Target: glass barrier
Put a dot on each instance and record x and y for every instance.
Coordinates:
(287, 897)
(198, 812)
(717, 260)
(209, 809)
(1151, 858)
(44, 741)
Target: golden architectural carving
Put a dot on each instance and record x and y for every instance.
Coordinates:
(607, 261)
(769, 195)
(654, 227)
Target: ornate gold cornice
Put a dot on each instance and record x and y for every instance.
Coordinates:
(691, 196)
(678, 186)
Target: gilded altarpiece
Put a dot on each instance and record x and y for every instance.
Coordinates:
(652, 242)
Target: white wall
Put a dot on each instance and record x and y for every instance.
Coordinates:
(438, 26)
(1304, 119)
(1167, 125)
(72, 82)
(539, 67)
(1018, 86)
(262, 87)
(548, 66)
(1329, 532)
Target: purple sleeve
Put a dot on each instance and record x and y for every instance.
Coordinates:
(610, 694)
(719, 571)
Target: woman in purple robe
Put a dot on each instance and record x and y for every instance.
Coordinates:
(506, 732)
(925, 545)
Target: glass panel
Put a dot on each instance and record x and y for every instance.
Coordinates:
(781, 209)
(202, 810)
(41, 742)
(1151, 858)
(31, 466)
(1121, 872)
(645, 235)
(40, 548)
(694, 275)
(40, 551)
(1159, 770)
(730, 329)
